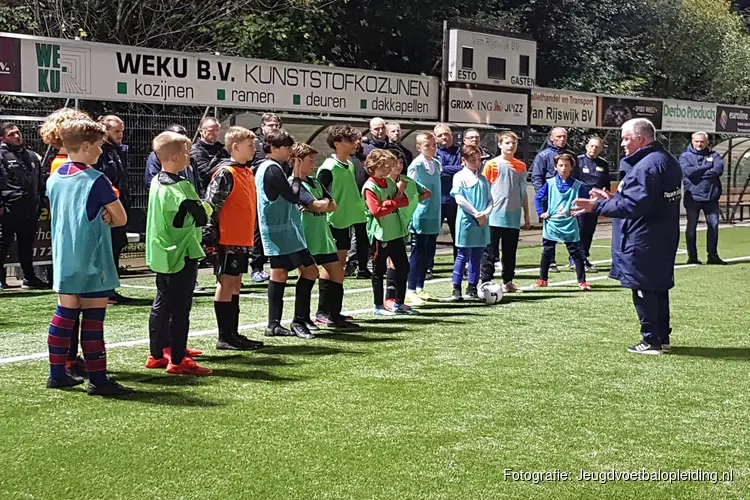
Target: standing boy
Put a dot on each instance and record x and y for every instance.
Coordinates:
(558, 194)
(426, 220)
(386, 229)
(173, 249)
(315, 202)
(83, 206)
(507, 176)
(283, 238)
(231, 193)
(337, 176)
(472, 193)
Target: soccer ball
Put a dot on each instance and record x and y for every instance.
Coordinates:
(490, 292)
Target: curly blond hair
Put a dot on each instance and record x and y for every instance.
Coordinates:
(377, 159)
(49, 131)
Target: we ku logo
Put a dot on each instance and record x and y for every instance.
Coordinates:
(4, 68)
(65, 70)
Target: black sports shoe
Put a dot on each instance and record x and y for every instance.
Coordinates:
(457, 296)
(323, 319)
(198, 287)
(693, 260)
(715, 260)
(78, 368)
(350, 270)
(428, 275)
(590, 268)
(34, 283)
(553, 268)
(236, 343)
(301, 331)
(472, 292)
(249, 345)
(67, 381)
(644, 348)
(341, 323)
(278, 331)
(310, 324)
(364, 274)
(109, 388)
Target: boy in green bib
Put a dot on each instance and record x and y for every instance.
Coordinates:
(173, 249)
(559, 193)
(386, 228)
(336, 174)
(415, 193)
(315, 203)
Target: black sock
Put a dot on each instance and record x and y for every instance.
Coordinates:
(275, 302)
(324, 302)
(390, 284)
(224, 313)
(302, 300)
(236, 314)
(337, 299)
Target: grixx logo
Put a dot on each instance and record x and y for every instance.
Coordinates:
(495, 106)
(64, 70)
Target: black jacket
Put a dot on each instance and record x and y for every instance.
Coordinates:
(114, 164)
(205, 157)
(21, 183)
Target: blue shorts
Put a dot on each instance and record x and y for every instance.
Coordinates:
(97, 295)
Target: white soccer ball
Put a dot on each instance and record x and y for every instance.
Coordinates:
(490, 292)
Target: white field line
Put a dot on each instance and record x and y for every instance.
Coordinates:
(203, 333)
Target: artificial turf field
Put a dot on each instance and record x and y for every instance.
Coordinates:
(431, 406)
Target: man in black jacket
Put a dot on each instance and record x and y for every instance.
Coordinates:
(393, 130)
(208, 151)
(113, 163)
(21, 193)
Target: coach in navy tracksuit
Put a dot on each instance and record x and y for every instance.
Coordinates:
(645, 229)
(543, 167)
(593, 172)
(701, 170)
(449, 155)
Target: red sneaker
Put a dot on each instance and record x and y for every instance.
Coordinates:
(188, 352)
(188, 367)
(389, 304)
(584, 286)
(540, 283)
(152, 363)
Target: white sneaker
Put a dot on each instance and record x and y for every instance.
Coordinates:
(413, 299)
(498, 266)
(510, 287)
(382, 311)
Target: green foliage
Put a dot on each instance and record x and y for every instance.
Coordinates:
(17, 19)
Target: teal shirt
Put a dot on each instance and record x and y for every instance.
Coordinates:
(476, 190)
(280, 221)
(508, 193)
(81, 249)
(427, 216)
(561, 225)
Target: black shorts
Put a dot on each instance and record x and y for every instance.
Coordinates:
(292, 261)
(326, 258)
(231, 263)
(342, 237)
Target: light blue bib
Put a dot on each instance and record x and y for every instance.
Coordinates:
(561, 226)
(427, 216)
(280, 221)
(469, 234)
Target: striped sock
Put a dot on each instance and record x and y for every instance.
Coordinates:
(92, 344)
(58, 340)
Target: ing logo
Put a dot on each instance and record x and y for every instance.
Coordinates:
(64, 70)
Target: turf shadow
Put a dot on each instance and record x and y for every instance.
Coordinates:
(244, 360)
(354, 337)
(730, 353)
(18, 293)
(166, 398)
(253, 375)
(137, 302)
(303, 350)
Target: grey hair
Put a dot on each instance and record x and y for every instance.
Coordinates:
(375, 120)
(700, 132)
(392, 124)
(641, 127)
(557, 128)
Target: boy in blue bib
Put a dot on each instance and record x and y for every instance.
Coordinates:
(83, 207)
(559, 193)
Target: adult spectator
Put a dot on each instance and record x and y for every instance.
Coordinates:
(359, 261)
(472, 138)
(645, 229)
(113, 163)
(153, 165)
(593, 172)
(543, 167)
(702, 169)
(207, 151)
(378, 139)
(21, 194)
(393, 131)
(449, 155)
